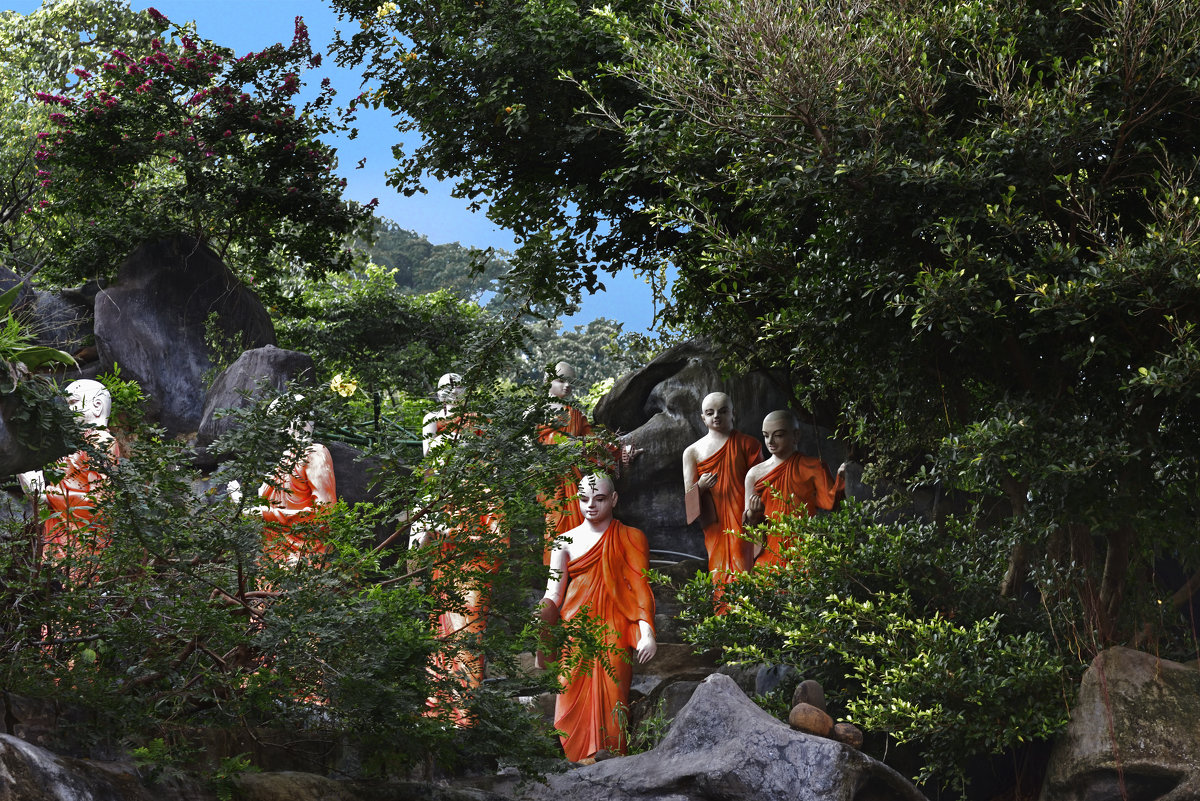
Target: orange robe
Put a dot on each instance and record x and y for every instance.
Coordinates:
(472, 593)
(309, 486)
(728, 553)
(800, 482)
(70, 513)
(606, 583)
(562, 510)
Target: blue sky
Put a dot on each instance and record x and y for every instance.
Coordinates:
(246, 25)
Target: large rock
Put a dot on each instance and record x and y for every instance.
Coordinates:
(152, 323)
(243, 382)
(660, 406)
(30, 773)
(722, 747)
(1133, 733)
(19, 453)
(63, 319)
(9, 279)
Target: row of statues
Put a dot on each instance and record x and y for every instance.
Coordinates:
(303, 485)
(596, 563)
(728, 486)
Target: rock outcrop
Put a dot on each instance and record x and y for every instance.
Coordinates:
(1133, 733)
(242, 382)
(153, 319)
(722, 747)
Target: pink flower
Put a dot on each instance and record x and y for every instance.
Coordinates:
(57, 117)
(43, 173)
(108, 66)
(143, 87)
(82, 73)
(227, 133)
(156, 15)
(43, 204)
(42, 155)
(46, 182)
(174, 159)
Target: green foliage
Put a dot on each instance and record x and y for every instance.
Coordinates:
(176, 135)
(421, 267)
(169, 616)
(968, 232)
(16, 345)
(127, 397)
(482, 84)
(597, 350)
(901, 624)
(224, 777)
(366, 326)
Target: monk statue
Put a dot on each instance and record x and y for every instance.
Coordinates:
(297, 494)
(714, 481)
(787, 483)
(462, 569)
(597, 570)
(562, 509)
(72, 500)
(450, 391)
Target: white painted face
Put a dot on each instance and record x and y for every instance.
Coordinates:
(450, 389)
(90, 400)
(560, 385)
(779, 434)
(717, 412)
(596, 498)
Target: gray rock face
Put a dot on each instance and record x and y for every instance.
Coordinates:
(1133, 733)
(152, 323)
(722, 747)
(62, 319)
(240, 383)
(660, 406)
(9, 279)
(29, 773)
(17, 456)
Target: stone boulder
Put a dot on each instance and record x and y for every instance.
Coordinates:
(63, 319)
(9, 279)
(153, 319)
(1133, 732)
(18, 455)
(243, 382)
(722, 747)
(659, 405)
(30, 773)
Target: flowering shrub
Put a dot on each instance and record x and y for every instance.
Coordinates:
(187, 138)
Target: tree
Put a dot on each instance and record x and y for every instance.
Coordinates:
(597, 350)
(176, 135)
(364, 325)
(481, 83)
(967, 229)
(424, 267)
(37, 52)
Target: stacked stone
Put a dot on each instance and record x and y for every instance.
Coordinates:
(808, 715)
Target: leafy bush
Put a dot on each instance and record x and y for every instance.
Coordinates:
(169, 616)
(902, 625)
